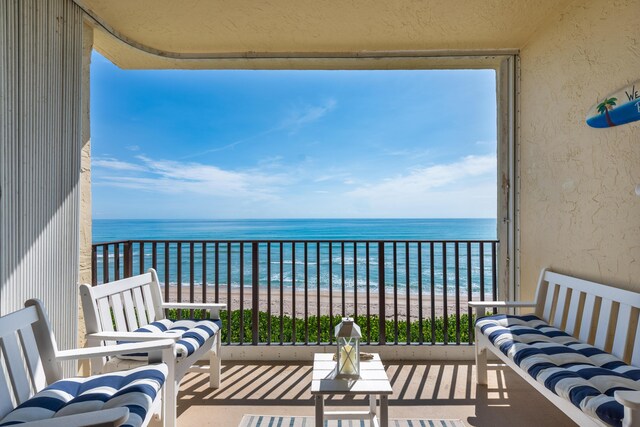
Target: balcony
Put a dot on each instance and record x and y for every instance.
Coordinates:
(422, 307)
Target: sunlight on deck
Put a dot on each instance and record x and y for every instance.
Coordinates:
(439, 390)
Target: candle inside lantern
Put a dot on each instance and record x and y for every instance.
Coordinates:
(348, 346)
(348, 360)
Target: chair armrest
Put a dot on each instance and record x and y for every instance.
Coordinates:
(114, 350)
(134, 336)
(213, 308)
(481, 306)
(628, 399)
(509, 304)
(113, 416)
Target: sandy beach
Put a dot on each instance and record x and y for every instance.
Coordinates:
(335, 303)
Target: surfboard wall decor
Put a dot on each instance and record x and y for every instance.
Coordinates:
(619, 108)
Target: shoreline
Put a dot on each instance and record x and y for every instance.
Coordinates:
(326, 304)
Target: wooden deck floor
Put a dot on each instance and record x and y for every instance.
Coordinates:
(421, 390)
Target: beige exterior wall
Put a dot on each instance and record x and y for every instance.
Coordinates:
(84, 275)
(85, 171)
(579, 211)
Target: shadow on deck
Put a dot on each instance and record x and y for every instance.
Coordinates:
(436, 390)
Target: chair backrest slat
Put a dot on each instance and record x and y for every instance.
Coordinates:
(106, 319)
(129, 311)
(118, 314)
(587, 318)
(561, 302)
(573, 313)
(548, 304)
(34, 362)
(602, 330)
(149, 304)
(140, 308)
(621, 337)
(15, 367)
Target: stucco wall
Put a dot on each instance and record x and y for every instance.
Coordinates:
(579, 211)
(85, 171)
(84, 275)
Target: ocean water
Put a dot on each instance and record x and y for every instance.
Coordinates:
(317, 266)
(298, 229)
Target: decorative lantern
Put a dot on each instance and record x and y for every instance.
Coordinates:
(348, 337)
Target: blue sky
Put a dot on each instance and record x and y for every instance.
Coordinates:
(292, 144)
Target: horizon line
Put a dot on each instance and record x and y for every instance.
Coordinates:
(283, 219)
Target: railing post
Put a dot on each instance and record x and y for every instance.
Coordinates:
(94, 265)
(128, 259)
(382, 321)
(255, 288)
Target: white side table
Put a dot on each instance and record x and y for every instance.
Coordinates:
(373, 382)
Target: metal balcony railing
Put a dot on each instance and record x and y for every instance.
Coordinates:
(294, 292)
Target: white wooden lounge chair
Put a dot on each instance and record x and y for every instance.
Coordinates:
(33, 392)
(132, 309)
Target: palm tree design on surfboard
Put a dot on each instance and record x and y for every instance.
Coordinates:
(618, 108)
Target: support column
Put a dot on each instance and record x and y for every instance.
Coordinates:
(84, 274)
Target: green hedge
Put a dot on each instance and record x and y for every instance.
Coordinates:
(326, 331)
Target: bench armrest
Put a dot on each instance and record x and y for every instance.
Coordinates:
(481, 306)
(628, 399)
(631, 402)
(133, 336)
(113, 416)
(213, 308)
(114, 350)
(491, 304)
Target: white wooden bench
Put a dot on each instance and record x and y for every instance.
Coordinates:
(602, 316)
(30, 362)
(118, 311)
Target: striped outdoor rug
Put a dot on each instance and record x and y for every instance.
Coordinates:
(284, 421)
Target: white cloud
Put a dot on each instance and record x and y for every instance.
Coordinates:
(331, 177)
(463, 188)
(175, 177)
(114, 164)
(271, 162)
(295, 120)
(411, 153)
(306, 115)
(423, 179)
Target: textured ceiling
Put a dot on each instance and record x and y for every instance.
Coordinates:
(188, 27)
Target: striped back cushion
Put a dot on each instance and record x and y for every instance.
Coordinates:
(193, 335)
(135, 389)
(578, 372)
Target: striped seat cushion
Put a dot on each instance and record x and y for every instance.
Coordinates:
(135, 389)
(578, 372)
(194, 333)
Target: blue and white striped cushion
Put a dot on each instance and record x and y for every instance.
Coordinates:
(578, 372)
(194, 333)
(135, 389)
